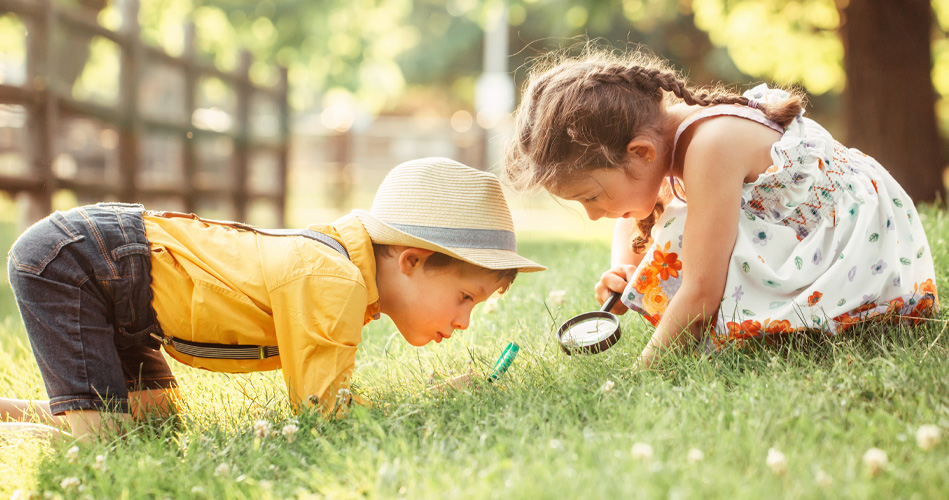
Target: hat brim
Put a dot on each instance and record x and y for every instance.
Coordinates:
(489, 258)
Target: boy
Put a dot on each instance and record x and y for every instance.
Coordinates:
(101, 288)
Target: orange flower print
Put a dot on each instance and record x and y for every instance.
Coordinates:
(896, 305)
(655, 302)
(928, 286)
(864, 308)
(814, 299)
(924, 308)
(647, 279)
(744, 330)
(667, 264)
(653, 320)
(845, 322)
(782, 326)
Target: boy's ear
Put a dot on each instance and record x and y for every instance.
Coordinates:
(412, 258)
(642, 148)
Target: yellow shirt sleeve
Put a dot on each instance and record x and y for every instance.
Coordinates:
(318, 322)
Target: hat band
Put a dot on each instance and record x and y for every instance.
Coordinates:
(495, 239)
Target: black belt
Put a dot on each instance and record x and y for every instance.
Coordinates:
(219, 351)
(244, 351)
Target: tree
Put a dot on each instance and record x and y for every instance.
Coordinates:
(889, 104)
(877, 53)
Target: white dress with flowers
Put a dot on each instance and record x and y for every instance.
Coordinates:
(826, 239)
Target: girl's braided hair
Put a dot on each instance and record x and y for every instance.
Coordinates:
(580, 113)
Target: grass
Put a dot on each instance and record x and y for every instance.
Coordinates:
(548, 429)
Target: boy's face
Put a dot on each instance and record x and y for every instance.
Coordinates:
(433, 303)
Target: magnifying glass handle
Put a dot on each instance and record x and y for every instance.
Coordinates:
(611, 302)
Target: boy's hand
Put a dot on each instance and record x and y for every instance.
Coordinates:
(614, 280)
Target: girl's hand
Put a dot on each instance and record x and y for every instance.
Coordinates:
(614, 280)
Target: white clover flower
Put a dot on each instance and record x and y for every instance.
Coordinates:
(822, 478)
(555, 444)
(100, 462)
(491, 305)
(875, 460)
(197, 489)
(607, 386)
(69, 483)
(289, 432)
(72, 454)
(262, 428)
(344, 397)
(694, 455)
(557, 297)
(928, 436)
(222, 470)
(642, 451)
(776, 461)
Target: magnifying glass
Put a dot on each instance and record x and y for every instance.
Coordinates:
(591, 332)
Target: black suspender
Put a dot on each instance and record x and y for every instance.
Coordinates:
(243, 351)
(309, 233)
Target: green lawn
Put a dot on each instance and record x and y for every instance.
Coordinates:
(549, 429)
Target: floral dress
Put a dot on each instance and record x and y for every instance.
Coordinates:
(826, 239)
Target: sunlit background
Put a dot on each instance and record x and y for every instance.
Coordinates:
(369, 84)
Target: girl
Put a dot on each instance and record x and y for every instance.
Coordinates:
(787, 230)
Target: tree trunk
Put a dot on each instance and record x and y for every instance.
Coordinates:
(889, 102)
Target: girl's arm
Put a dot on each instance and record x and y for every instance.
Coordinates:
(722, 154)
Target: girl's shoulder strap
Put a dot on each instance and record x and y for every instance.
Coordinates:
(722, 110)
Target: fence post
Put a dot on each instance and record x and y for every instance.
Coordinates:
(191, 89)
(42, 117)
(241, 146)
(130, 130)
(283, 159)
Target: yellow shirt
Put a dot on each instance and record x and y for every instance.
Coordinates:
(217, 284)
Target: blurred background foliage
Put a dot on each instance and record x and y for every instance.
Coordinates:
(352, 61)
(383, 54)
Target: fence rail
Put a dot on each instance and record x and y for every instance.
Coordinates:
(249, 167)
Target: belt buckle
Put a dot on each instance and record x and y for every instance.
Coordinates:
(160, 338)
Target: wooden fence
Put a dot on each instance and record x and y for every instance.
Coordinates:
(162, 141)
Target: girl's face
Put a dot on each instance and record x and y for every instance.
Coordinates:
(616, 193)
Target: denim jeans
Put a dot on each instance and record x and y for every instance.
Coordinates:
(82, 283)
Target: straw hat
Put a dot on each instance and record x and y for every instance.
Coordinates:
(439, 204)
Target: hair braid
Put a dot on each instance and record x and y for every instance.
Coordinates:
(781, 113)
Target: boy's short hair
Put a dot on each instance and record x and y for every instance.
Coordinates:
(441, 205)
(439, 260)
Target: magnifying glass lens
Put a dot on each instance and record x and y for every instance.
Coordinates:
(589, 332)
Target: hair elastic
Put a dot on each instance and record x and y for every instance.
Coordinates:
(752, 104)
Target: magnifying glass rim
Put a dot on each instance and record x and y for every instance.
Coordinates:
(599, 346)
